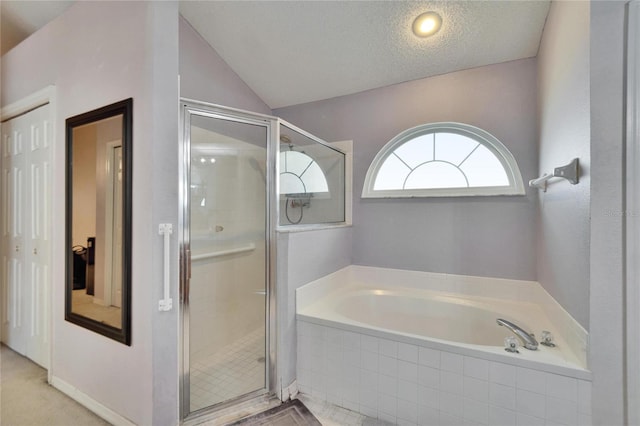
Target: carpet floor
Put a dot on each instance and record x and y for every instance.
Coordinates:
(26, 399)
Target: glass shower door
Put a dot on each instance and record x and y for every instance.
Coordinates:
(227, 234)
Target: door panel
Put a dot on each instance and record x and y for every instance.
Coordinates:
(13, 246)
(26, 240)
(39, 241)
(228, 242)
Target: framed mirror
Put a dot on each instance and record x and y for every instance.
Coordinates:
(98, 220)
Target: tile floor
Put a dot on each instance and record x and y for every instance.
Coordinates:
(332, 415)
(233, 371)
(290, 413)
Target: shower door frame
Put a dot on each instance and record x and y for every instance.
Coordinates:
(189, 107)
(632, 200)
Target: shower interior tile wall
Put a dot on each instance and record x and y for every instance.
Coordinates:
(225, 216)
(414, 385)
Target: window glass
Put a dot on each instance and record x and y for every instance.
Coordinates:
(484, 169)
(416, 151)
(392, 174)
(454, 148)
(443, 159)
(312, 179)
(300, 174)
(436, 174)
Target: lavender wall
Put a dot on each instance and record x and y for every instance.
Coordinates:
(563, 105)
(162, 181)
(489, 236)
(204, 76)
(95, 54)
(302, 258)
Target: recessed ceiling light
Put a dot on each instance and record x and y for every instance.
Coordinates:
(427, 24)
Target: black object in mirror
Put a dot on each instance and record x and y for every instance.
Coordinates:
(98, 220)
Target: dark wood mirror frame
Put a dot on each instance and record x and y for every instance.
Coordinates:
(124, 108)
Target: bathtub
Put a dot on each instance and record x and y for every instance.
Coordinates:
(422, 348)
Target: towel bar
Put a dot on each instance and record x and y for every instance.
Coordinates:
(571, 172)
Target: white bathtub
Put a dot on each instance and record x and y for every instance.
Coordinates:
(404, 327)
(441, 317)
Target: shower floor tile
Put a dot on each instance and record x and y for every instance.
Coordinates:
(235, 370)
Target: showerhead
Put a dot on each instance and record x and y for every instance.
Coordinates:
(285, 139)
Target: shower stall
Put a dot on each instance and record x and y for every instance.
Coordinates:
(238, 186)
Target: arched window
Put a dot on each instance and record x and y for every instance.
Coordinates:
(300, 174)
(443, 160)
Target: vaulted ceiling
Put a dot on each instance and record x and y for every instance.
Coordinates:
(292, 52)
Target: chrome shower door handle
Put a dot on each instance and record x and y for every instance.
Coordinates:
(187, 272)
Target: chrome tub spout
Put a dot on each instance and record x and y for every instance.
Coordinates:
(528, 340)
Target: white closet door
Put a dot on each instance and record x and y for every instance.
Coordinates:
(28, 200)
(13, 165)
(39, 208)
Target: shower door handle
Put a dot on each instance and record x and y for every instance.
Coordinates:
(186, 268)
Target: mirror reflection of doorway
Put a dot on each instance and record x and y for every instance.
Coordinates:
(97, 221)
(226, 338)
(98, 218)
(113, 267)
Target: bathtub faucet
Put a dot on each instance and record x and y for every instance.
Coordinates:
(528, 339)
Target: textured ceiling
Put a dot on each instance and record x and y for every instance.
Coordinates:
(295, 52)
(292, 52)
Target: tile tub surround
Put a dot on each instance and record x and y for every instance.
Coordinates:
(320, 302)
(411, 384)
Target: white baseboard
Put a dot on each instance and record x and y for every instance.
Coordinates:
(90, 403)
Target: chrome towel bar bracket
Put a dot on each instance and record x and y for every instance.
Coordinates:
(570, 172)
